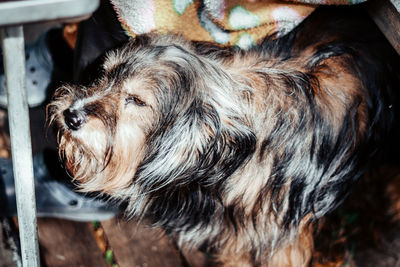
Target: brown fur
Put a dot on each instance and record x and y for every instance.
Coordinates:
(236, 152)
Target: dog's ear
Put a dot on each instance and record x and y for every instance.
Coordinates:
(197, 147)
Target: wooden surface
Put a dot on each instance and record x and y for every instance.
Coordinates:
(387, 18)
(135, 244)
(67, 243)
(77, 244)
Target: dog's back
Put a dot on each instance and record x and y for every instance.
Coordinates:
(326, 101)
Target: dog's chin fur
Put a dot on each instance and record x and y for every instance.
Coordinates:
(236, 152)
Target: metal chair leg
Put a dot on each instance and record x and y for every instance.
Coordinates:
(14, 68)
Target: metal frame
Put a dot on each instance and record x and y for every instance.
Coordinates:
(28, 11)
(13, 14)
(21, 147)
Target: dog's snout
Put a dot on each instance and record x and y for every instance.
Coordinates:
(74, 119)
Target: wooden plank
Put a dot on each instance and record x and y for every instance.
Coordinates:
(67, 243)
(135, 244)
(387, 18)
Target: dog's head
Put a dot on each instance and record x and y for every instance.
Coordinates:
(161, 115)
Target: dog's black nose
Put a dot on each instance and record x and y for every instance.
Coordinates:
(74, 119)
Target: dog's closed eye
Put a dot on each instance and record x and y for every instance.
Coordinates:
(135, 100)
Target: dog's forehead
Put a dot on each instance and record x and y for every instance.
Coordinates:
(137, 84)
(152, 55)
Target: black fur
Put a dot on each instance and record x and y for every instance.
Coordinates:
(315, 161)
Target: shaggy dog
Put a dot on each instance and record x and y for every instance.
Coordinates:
(236, 152)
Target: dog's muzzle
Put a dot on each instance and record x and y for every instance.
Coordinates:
(74, 119)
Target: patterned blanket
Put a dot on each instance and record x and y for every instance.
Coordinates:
(229, 22)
